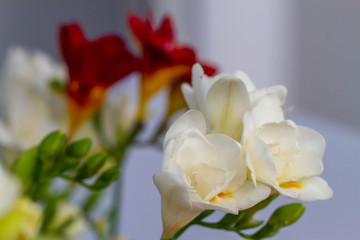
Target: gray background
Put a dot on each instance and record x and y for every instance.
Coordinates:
(312, 47)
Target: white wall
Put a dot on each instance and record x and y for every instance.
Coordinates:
(253, 36)
(328, 59)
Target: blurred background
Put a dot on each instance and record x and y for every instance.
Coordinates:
(311, 47)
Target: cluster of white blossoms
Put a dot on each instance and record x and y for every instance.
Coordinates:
(19, 217)
(232, 149)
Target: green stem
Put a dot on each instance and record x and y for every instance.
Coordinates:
(117, 202)
(120, 156)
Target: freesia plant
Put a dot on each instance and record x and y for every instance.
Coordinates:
(233, 151)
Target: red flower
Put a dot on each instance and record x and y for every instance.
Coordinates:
(163, 62)
(93, 67)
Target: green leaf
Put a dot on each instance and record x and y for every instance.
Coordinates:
(282, 217)
(91, 166)
(79, 148)
(106, 178)
(24, 166)
(52, 146)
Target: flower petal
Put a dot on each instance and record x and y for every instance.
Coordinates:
(278, 91)
(261, 160)
(176, 208)
(189, 95)
(248, 194)
(266, 110)
(226, 102)
(250, 86)
(309, 161)
(9, 191)
(229, 156)
(308, 189)
(5, 135)
(192, 148)
(190, 119)
(311, 140)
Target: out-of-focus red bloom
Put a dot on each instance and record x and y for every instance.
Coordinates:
(93, 67)
(163, 62)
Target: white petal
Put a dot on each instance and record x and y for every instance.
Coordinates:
(281, 137)
(279, 91)
(307, 164)
(191, 149)
(176, 208)
(309, 189)
(250, 86)
(189, 95)
(226, 102)
(248, 194)
(190, 119)
(230, 155)
(9, 191)
(248, 126)
(311, 140)
(197, 73)
(267, 110)
(227, 205)
(6, 137)
(261, 160)
(315, 188)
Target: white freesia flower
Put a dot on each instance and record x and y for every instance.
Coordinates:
(20, 218)
(287, 157)
(31, 109)
(66, 211)
(118, 118)
(278, 152)
(9, 191)
(202, 171)
(225, 98)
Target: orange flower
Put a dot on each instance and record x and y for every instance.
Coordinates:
(163, 63)
(93, 67)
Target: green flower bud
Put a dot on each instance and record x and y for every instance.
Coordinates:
(69, 163)
(52, 146)
(91, 166)
(282, 217)
(287, 214)
(79, 148)
(106, 178)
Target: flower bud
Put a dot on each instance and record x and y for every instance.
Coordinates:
(69, 163)
(79, 148)
(91, 166)
(106, 178)
(52, 146)
(282, 217)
